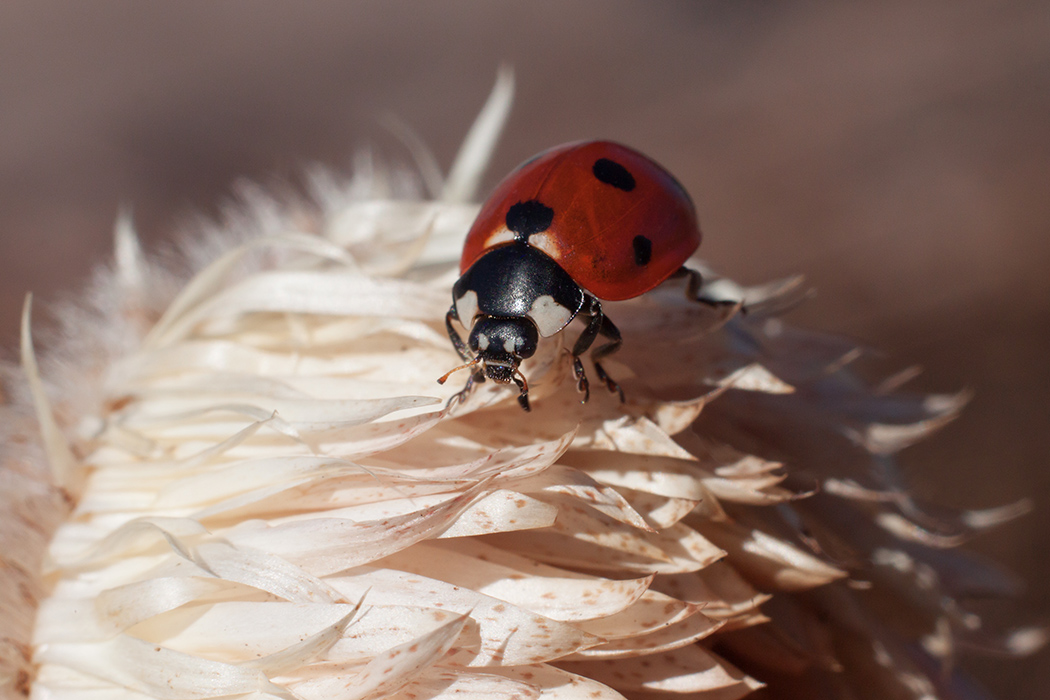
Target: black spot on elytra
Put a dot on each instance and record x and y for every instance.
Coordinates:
(612, 173)
(643, 250)
(527, 218)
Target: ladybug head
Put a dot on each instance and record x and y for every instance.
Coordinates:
(501, 344)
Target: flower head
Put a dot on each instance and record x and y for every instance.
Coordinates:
(271, 497)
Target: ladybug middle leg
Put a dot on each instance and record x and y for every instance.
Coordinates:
(599, 324)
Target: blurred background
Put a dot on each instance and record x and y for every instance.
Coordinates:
(895, 152)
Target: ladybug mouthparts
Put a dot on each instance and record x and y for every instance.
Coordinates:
(501, 373)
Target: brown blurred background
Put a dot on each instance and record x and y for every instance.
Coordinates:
(897, 153)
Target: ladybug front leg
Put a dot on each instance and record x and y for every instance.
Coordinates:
(453, 335)
(476, 377)
(523, 395)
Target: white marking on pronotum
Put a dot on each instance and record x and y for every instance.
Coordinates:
(467, 308)
(508, 345)
(483, 341)
(548, 315)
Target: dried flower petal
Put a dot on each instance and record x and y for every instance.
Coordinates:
(274, 500)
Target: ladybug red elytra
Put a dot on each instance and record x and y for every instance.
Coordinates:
(577, 223)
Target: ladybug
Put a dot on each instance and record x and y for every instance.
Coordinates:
(576, 224)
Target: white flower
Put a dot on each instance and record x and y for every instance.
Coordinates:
(270, 498)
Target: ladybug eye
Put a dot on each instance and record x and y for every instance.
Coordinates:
(526, 338)
(612, 173)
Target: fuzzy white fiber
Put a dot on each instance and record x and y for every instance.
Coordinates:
(233, 474)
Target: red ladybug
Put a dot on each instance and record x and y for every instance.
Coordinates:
(575, 224)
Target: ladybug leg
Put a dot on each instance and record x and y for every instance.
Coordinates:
(583, 343)
(462, 394)
(476, 377)
(609, 330)
(694, 291)
(599, 323)
(453, 335)
(523, 397)
(582, 385)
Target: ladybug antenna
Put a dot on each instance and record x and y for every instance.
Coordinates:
(446, 375)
